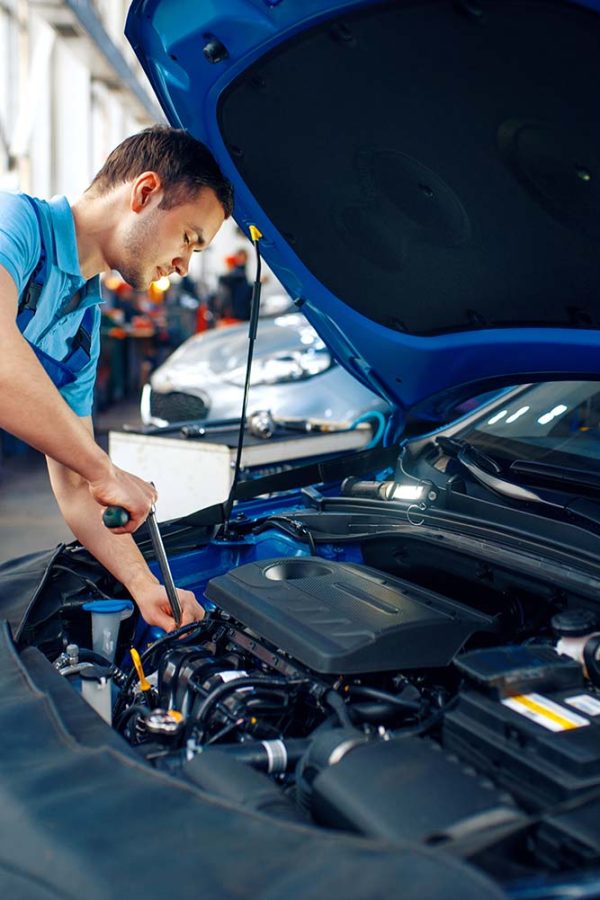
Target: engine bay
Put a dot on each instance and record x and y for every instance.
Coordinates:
(379, 684)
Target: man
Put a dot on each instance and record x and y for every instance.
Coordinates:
(234, 290)
(158, 198)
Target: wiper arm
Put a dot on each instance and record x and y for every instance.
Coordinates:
(453, 446)
(486, 471)
(501, 485)
(557, 475)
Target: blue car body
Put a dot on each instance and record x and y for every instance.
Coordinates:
(396, 690)
(487, 131)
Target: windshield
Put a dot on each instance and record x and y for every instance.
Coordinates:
(555, 422)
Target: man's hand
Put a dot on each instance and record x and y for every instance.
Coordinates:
(118, 552)
(120, 488)
(113, 547)
(154, 606)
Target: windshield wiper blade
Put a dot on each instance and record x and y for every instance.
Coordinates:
(556, 475)
(453, 447)
(501, 485)
(486, 471)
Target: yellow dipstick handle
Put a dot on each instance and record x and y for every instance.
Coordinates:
(255, 234)
(137, 662)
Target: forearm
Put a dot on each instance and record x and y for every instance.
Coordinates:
(117, 552)
(32, 409)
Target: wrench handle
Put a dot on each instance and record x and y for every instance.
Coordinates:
(165, 569)
(115, 517)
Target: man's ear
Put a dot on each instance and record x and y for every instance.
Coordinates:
(145, 188)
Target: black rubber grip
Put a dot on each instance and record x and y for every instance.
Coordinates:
(115, 517)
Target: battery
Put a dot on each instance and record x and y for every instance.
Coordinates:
(515, 669)
(542, 746)
(529, 721)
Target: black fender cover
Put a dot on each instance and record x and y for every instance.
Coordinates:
(81, 817)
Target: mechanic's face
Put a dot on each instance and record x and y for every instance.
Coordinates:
(157, 242)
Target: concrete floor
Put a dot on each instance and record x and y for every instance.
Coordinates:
(29, 516)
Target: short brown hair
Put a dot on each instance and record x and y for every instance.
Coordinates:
(183, 164)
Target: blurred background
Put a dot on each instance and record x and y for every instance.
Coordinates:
(71, 90)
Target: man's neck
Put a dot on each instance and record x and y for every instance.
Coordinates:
(91, 217)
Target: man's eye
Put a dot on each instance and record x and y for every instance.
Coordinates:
(186, 239)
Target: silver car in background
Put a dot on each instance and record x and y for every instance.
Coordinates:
(293, 376)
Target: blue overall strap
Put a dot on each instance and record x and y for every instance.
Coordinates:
(64, 372)
(61, 372)
(31, 293)
(81, 345)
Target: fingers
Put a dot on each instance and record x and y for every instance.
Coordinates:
(161, 619)
(138, 499)
(128, 491)
(156, 610)
(191, 610)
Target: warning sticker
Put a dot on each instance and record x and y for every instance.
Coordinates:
(585, 703)
(545, 712)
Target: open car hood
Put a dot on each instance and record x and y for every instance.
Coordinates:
(426, 175)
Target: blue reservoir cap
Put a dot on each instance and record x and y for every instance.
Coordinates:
(108, 606)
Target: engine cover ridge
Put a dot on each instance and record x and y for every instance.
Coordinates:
(343, 618)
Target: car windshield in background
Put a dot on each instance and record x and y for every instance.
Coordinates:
(555, 422)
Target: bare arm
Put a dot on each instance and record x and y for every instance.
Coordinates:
(117, 552)
(32, 409)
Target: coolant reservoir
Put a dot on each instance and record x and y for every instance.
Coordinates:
(573, 629)
(96, 687)
(106, 620)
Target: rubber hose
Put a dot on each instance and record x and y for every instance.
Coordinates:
(592, 664)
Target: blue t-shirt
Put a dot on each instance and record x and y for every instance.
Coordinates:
(54, 323)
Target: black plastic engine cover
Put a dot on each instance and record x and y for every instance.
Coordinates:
(342, 618)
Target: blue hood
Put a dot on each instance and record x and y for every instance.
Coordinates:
(426, 175)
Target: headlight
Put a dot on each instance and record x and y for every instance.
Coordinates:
(295, 366)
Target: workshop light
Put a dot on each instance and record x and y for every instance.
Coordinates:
(162, 284)
(557, 411)
(406, 492)
(517, 415)
(497, 417)
(112, 282)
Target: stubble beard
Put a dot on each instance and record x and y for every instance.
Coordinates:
(136, 243)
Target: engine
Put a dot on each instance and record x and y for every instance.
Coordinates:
(336, 694)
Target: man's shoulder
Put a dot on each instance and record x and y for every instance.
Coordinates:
(17, 200)
(17, 212)
(20, 241)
